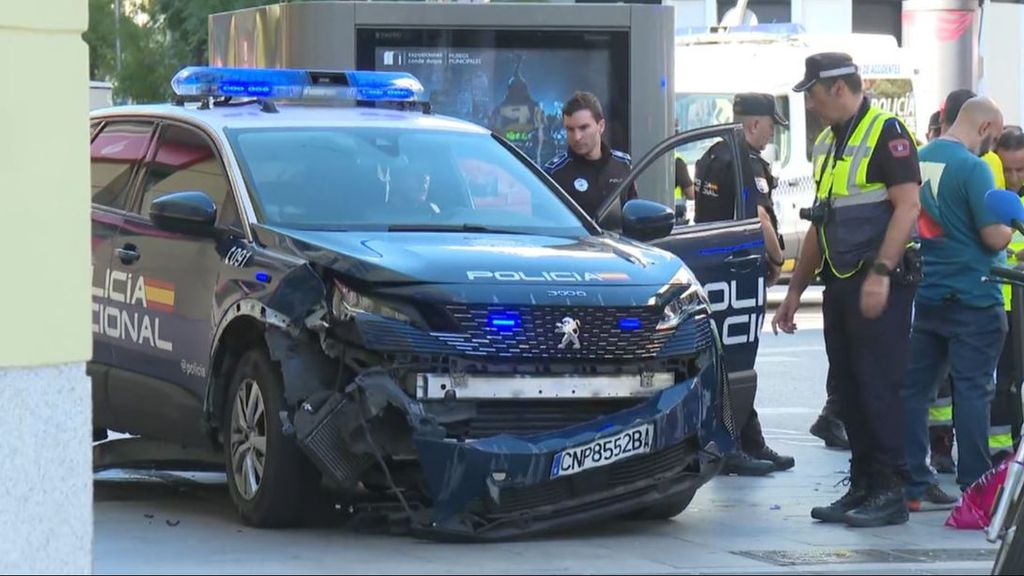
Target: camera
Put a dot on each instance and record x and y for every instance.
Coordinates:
(911, 268)
(817, 214)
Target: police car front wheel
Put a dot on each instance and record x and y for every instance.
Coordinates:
(268, 477)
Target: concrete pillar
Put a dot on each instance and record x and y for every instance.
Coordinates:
(45, 426)
(941, 37)
(1002, 50)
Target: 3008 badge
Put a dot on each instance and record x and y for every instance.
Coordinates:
(638, 440)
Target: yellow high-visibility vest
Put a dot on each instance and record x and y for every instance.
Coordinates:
(860, 209)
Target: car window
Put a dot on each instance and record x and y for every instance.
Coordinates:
(376, 178)
(491, 186)
(115, 152)
(185, 161)
(701, 110)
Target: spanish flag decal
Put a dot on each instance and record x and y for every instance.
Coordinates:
(159, 295)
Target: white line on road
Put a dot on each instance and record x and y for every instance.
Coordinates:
(788, 410)
(781, 431)
(794, 349)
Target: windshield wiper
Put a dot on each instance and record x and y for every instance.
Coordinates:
(451, 228)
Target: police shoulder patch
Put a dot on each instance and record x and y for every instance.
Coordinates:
(621, 156)
(899, 147)
(556, 162)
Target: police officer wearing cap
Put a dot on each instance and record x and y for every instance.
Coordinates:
(589, 171)
(715, 199)
(867, 177)
(715, 194)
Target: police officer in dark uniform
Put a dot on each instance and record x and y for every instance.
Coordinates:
(715, 198)
(868, 180)
(589, 171)
(715, 194)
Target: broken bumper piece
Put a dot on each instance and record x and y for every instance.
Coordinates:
(503, 486)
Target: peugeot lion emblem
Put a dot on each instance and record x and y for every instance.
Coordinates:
(570, 331)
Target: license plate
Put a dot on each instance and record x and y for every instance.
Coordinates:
(628, 443)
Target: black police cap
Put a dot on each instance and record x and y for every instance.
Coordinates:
(823, 66)
(757, 104)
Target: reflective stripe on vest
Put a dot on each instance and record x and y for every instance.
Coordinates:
(860, 209)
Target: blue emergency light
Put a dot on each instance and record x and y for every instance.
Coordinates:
(284, 83)
(773, 28)
(504, 321)
(629, 324)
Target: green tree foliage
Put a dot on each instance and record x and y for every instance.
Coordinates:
(157, 39)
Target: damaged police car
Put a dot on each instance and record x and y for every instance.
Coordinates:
(337, 289)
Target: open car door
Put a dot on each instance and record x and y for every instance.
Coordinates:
(727, 256)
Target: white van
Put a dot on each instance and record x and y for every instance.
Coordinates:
(712, 66)
(100, 94)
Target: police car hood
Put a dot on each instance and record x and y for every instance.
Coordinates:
(478, 258)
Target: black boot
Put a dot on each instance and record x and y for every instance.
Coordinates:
(742, 464)
(778, 460)
(886, 503)
(831, 430)
(941, 440)
(854, 497)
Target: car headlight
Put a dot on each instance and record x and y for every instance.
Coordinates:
(686, 304)
(345, 302)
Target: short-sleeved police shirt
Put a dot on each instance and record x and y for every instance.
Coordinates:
(894, 160)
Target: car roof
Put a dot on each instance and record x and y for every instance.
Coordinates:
(291, 115)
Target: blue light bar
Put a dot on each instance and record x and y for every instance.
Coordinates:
(773, 28)
(504, 321)
(629, 324)
(283, 83)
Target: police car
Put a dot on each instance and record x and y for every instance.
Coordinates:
(339, 290)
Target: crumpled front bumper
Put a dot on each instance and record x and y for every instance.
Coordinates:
(501, 487)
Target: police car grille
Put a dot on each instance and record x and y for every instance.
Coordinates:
(528, 417)
(725, 400)
(692, 335)
(600, 334)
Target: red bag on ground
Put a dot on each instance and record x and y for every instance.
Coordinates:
(974, 511)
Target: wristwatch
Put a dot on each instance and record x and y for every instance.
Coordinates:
(881, 268)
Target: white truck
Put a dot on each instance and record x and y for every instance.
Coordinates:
(712, 65)
(100, 94)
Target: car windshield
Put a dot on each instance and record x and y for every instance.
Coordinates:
(701, 110)
(365, 178)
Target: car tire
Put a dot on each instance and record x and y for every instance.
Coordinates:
(666, 509)
(269, 479)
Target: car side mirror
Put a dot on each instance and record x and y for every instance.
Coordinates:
(645, 220)
(191, 213)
